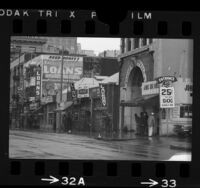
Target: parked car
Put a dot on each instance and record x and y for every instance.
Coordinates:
(183, 131)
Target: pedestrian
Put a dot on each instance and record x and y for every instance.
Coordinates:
(142, 130)
(69, 122)
(156, 128)
(137, 120)
(151, 124)
(107, 123)
(64, 121)
(145, 117)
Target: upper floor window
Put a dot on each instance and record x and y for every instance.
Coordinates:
(122, 45)
(150, 40)
(129, 44)
(136, 43)
(144, 42)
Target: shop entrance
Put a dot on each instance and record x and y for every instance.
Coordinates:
(133, 91)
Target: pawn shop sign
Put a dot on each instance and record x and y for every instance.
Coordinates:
(166, 80)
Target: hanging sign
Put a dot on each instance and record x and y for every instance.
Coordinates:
(73, 91)
(167, 97)
(166, 80)
(103, 95)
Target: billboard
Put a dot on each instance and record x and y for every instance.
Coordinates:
(72, 67)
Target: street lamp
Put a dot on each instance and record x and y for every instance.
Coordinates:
(61, 88)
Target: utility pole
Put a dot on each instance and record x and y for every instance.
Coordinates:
(18, 106)
(61, 88)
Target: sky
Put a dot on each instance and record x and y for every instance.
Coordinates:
(99, 44)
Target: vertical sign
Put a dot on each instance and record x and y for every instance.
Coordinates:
(103, 95)
(38, 83)
(73, 91)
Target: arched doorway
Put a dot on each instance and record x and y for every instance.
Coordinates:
(133, 91)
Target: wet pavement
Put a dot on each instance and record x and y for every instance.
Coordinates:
(42, 145)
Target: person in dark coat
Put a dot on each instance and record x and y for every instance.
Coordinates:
(65, 122)
(145, 117)
(137, 120)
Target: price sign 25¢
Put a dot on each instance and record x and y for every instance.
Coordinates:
(167, 97)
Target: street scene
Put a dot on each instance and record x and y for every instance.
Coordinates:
(100, 98)
(38, 145)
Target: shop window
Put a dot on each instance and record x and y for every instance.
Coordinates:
(82, 115)
(163, 114)
(75, 116)
(186, 111)
(50, 118)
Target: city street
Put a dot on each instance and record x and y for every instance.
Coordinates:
(40, 145)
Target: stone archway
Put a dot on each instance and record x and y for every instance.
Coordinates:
(133, 91)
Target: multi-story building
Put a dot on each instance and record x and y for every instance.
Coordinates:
(109, 53)
(142, 62)
(23, 49)
(67, 43)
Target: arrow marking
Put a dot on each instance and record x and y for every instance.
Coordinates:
(52, 179)
(151, 183)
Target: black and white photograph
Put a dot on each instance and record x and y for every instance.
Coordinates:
(89, 98)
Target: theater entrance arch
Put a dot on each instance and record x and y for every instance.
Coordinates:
(133, 91)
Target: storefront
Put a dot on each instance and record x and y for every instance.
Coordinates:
(166, 118)
(134, 70)
(181, 114)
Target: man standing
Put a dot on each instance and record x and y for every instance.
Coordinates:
(151, 124)
(137, 120)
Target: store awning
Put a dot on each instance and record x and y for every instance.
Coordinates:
(65, 106)
(140, 101)
(38, 109)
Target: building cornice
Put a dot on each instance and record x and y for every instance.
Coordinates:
(136, 51)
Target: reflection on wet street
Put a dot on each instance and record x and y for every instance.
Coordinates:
(29, 145)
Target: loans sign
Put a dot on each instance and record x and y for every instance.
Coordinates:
(167, 97)
(72, 67)
(38, 83)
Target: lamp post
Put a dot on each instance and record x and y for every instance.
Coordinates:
(61, 86)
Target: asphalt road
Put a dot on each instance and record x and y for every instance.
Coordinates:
(40, 145)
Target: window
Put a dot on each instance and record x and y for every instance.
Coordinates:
(122, 45)
(50, 118)
(82, 115)
(76, 116)
(163, 114)
(144, 42)
(186, 111)
(129, 44)
(136, 43)
(150, 41)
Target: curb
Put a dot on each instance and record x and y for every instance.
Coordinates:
(186, 148)
(115, 139)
